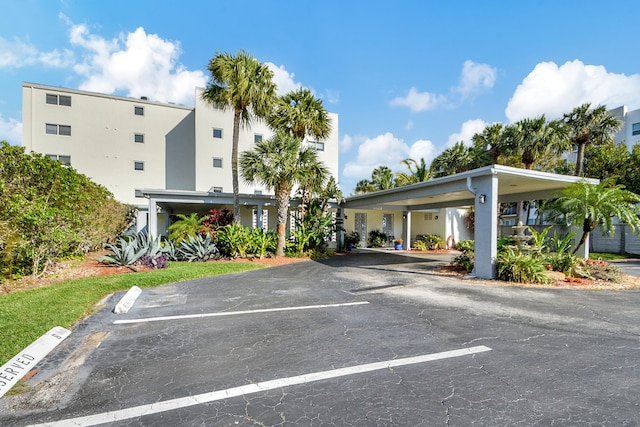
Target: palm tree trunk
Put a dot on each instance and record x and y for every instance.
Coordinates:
(234, 166)
(581, 242)
(579, 159)
(282, 201)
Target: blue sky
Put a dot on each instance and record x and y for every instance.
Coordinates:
(407, 78)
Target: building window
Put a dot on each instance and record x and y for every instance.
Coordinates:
(138, 111)
(319, 146)
(217, 133)
(139, 138)
(257, 192)
(635, 129)
(53, 129)
(64, 100)
(139, 166)
(217, 189)
(60, 158)
(257, 137)
(217, 162)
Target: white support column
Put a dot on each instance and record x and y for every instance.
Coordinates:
(340, 228)
(152, 227)
(486, 226)
(406, 230)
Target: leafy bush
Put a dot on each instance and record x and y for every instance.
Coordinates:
(465, 245)
(539, 239)
(376, 239)
(235, 239)
(464, 260)
(217, 218)
(520, 267)
(504, 241)
(433, 241)
(51, 212)
(352, 238)
(420, 245)
(263, 242)
(155, 263)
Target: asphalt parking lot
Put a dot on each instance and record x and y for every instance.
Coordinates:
(368, 339)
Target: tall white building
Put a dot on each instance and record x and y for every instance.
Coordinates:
(156, 156)
(630, 130)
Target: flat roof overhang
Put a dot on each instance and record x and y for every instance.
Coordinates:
(514, 184)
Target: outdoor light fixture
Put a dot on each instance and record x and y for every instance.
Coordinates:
(482, 198)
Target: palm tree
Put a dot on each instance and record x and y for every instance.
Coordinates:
(453, 160)
(592, 205)
(535, 140)
(186, 226)
(420, 174)
(280, 163)
(488, 146)
(382, 178)
(245, 85)
(590, 126)
(300, 114)
(364, 186)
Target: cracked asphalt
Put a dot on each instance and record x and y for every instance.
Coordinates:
(558, 356)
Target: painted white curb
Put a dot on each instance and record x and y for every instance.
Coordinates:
(16, 368)
(127, 300)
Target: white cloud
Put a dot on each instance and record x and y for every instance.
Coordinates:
(409, 125)
(419, 101)
(387, 150)
(423, 149)
(553, 90)
(10, 131)
(468, 129)
(345, 143)
(476, 76)
(283, 79)
(332, 97)
(137, 64)
(384, 150)
(16, 53)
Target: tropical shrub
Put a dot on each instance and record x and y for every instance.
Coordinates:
(352, 238)
(539, 238)
(376, 239)
(465, 245)
(433, 241)
(234, 239)
(186, 226)
(216, 219)
(263, 242)
(420, 245)
(521, 267)
(601, 270)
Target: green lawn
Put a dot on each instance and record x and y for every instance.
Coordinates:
(609, 257)
(26, 315)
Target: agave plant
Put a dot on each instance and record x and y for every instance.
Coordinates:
(198, 248)
(125, 253)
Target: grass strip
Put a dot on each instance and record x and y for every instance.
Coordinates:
(26, 315)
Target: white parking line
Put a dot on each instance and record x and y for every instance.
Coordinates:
(234, 313)
(183, 402)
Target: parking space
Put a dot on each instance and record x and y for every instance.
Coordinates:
(364, 339)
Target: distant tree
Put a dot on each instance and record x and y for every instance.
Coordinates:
(608, 160)
(364, 186)
(280, 163)
(382, 178)
(453, 160)
(488, 146)
(589, 126)
(589, 205)
(418, 172)
(244, 85)
(536, 139)
(631, 178)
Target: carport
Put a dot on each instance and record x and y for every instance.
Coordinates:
(482, 188)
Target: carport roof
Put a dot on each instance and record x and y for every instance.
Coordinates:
(514, 184)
